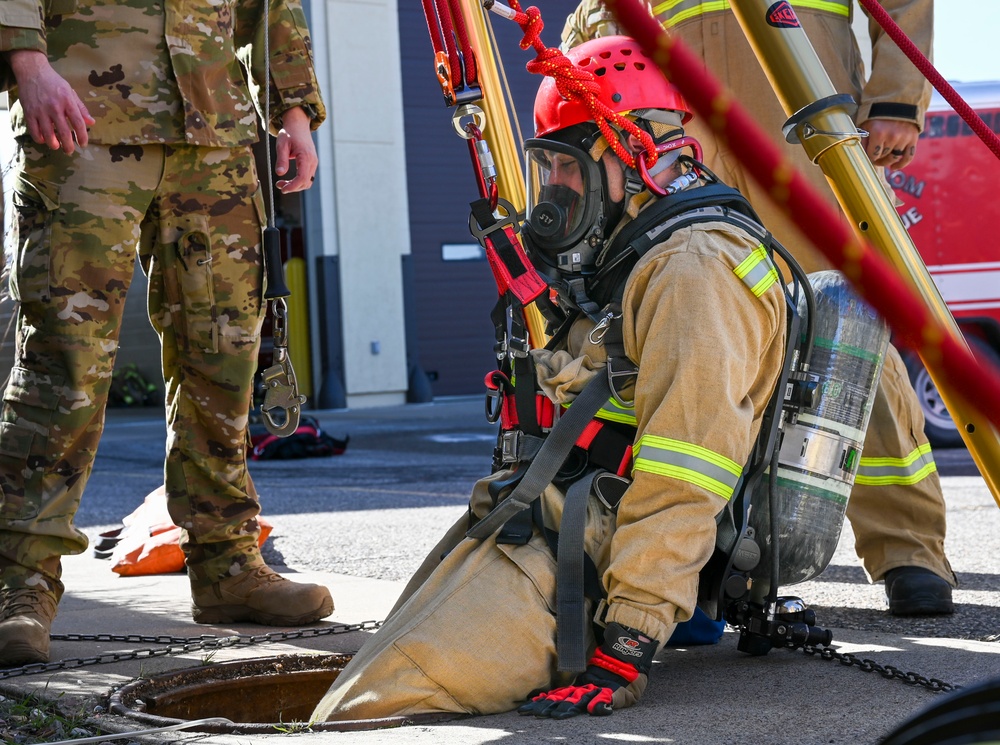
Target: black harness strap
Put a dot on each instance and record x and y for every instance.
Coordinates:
(549, 459)
(571, 614)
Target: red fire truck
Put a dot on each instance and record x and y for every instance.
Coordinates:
(952, 211)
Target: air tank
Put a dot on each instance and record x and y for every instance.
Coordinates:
(820, 450)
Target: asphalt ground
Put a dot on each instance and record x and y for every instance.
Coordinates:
(362, 521)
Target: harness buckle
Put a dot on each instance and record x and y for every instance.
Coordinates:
(609, 489)
(510, 445)
(613, 374)
(517, 346)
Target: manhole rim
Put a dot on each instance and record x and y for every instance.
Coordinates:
(117, 702)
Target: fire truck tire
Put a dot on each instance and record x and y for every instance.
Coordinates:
(939, 427)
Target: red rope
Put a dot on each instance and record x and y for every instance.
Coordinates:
(577, 84)
(471, 74)
(433, 25)
(444, 15)
(915, 325)
(876, 11)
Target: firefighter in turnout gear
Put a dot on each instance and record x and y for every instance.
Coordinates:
(661, 373)
(897, 508)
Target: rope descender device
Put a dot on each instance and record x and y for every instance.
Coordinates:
(455, 68)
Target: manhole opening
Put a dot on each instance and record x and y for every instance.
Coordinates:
(269, 694)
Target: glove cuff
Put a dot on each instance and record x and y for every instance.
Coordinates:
(628, 646)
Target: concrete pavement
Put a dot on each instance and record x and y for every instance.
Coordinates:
(402, 480)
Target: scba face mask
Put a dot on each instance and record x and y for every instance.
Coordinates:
(565, 207)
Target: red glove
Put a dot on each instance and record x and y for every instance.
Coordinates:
(625, 655)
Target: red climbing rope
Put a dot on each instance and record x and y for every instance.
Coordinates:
(876, 11)
(576, 84)
(913, 322)
(445, 22)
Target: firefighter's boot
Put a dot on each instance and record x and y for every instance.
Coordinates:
(260, 595)
(26, 616)
(915, 591)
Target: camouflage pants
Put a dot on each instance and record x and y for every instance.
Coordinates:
(193, 216)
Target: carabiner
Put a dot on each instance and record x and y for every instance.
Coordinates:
(485, 167)
(282, 406)
(643, 169)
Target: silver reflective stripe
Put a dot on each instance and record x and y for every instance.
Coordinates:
(672, 12)
(687, 462)
(757, 271)
(912, 469)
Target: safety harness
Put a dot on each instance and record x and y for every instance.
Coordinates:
(588, 449)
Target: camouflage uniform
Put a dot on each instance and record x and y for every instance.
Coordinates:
(168, 175)
(897, 508)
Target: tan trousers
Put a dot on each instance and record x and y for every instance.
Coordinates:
(473, 633)
(896, 524)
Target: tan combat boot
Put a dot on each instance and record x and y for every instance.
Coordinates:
(26, 616)
(260, 595)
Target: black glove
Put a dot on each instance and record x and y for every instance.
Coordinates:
(621, 660)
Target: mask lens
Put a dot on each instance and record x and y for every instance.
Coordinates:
(557, 183)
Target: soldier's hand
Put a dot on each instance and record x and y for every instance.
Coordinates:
(890, 143)
(53, 112)
(295, 143)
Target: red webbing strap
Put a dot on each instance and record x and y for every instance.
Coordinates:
(512, 270)
(879, 14)
(871, 275)
(523, 282)
(577, 84)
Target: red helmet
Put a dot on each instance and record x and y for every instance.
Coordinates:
(629, 81)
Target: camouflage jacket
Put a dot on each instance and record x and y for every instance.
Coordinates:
(169, 71)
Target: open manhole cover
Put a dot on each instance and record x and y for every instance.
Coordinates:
(264, 695)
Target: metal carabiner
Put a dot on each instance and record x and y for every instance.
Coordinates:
(482, 160)
(282, 406)
(281, 390)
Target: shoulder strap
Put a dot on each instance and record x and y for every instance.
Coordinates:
(711, 202)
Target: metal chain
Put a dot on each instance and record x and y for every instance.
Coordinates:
(182, 645)
(886, 671)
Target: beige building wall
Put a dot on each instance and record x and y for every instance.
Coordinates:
(362, 183)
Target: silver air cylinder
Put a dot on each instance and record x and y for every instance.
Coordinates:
(821, 449)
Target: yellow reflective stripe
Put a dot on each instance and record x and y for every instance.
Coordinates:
(757, 271)
(687, 462)
(829, 6)
(697, 9)
(612, 411)
(912, 469)
(669, 14)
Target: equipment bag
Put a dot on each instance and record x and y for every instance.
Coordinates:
(307, 441)
(149, 542)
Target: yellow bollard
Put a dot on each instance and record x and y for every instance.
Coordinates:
(299, 348)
